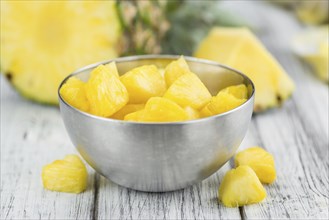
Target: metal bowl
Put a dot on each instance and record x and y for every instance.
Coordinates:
(158, 157)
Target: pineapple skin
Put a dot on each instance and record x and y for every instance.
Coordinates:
(260, 161)
(240, 187)
(67, 175)
(241, 50)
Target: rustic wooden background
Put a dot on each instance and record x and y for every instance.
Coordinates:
(297, 135)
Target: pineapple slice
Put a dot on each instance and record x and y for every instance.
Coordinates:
(73, 92)
(192, 113)
(240, 49)
(127, 109)
(105, 92)
(260, 161)
(175, 69)
(241, 186)
(159, 109)
(223, 102)
(143, 83)
(238, 91)
(188, 90)
(67, 175)
(44, 41)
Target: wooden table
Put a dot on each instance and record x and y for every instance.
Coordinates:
(33, 135)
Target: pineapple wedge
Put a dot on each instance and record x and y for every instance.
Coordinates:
(241, 186)
(188, 90)
(127, 109)
(67, 175)
(260, 161)
(143, 83)
(159, 109)
(175, 69)
(240, 49)
(73, 92)
(105, 92)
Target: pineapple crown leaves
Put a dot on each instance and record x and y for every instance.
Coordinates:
(165, 26)
(144, 24)
(189, 26)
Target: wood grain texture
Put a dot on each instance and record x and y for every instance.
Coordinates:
(33, 135)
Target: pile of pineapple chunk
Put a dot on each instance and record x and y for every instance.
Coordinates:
(145, 94)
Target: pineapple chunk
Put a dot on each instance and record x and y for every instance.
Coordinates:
(135, 116)
(241, 186)
(127, 109)
(159, 109)
(112, 68)
(188, 90)
(238, 91)
(240, 49)
(73, 92)
(67, 175)
(192, 113)
(105, 92)
(260, 161)
(175, 69)
(223, 102)
(143, 83)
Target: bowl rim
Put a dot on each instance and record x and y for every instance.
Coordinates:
(145, 57)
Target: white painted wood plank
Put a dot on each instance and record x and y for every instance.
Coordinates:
(33, 135)
(195, 202)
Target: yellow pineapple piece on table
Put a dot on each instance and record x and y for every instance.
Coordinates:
(67, 175)
(159, 109)
(143, 83)
(221, 103)
(238, 91)
(175, 69)
(105, 92)
(188, 90)
(192, 113)
(241, 186)
(74, 93)
(127, 109)
(260, 161)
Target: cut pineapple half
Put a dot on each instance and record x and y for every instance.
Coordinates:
(143, 83)
(260, 161)
(240, 49)
(67, 175)
(241, 186)
(44, 41)
(105, 92)
(73, 92)
(188, 90)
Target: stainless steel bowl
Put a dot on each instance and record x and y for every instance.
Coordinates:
(158, 157)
